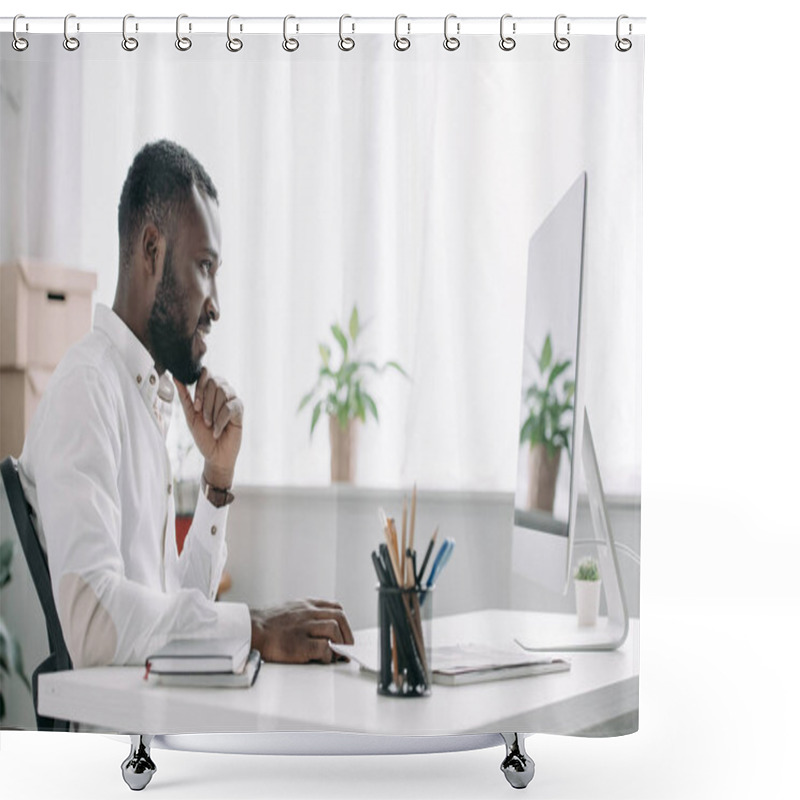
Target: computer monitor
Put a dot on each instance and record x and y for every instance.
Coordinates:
(556, 445)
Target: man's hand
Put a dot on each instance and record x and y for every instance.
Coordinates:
(214, 417)
(298, 632)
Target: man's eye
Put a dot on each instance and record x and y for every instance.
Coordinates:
(207, 266)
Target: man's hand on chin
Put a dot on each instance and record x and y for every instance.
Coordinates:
(214, 417)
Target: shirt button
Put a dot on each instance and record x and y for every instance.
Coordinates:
(169, 488)
(213, 530)
(152, 380)
(138, 379)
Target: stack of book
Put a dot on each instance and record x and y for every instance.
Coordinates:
(204, 662)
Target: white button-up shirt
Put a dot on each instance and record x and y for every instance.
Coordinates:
(96, 470)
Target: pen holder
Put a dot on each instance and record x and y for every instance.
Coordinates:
(404, 641)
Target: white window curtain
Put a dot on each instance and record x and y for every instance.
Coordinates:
(406, 183)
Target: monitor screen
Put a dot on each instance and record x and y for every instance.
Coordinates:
(546, 491)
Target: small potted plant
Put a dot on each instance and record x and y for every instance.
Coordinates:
(587, 592)
(341, 392)
(547, 427)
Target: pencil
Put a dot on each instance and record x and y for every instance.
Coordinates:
(413, 517)
(403, 563)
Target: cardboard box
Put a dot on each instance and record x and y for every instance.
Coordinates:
(20, 393)
(44, 310)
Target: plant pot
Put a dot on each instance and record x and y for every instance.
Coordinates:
(542, 474)
(343, 450)
(587, 602)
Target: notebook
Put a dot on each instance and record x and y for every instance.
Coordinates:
(199, 656)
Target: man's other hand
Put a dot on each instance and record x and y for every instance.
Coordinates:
(214, 417)
(299, 631)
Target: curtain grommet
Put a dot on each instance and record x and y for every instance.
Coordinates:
(70, 43)
(561, 43)
(19, 43)
(233, 44)
(507, 43)
(129, 43)
(401, 43)
(346, 43)
(183, 43)
(451, 43)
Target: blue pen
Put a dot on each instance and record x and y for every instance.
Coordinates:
(442, 557)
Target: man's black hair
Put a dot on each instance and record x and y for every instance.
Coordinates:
(159, 182)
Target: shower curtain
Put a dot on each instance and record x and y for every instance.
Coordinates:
(383, 204)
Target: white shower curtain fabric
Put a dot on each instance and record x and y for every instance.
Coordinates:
(407, 185)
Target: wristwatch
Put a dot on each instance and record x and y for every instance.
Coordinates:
(216, 496)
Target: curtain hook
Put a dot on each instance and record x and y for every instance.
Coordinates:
(233, 44)
(346, 43)
(289, 45)
(129, 43)
(561, 43)
(401, 42)
(623, 45)
(70, 42)
(18, 43)
(506, 42)
(183, 43)
(451, 42)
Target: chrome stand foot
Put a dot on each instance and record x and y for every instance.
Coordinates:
(517, 766)
(138, 768)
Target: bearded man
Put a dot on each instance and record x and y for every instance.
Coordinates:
(95, 467)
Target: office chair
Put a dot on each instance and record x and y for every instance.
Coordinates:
(40, 572)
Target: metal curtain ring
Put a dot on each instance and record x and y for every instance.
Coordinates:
(623, 45)
(183, 43)
(129, 43)
(451, 42)
(506, 42)
(561, 43)
(401, 43)
(18, 43)
(346, 43)
(289, 45)
(233, 44)
(70, 42)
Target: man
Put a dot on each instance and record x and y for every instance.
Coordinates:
(95, 466)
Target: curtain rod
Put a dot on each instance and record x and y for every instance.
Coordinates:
(463, 26)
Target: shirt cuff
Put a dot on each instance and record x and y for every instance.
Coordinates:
(208, 525)
(233, 622)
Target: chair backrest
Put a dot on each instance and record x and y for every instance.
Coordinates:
(36, 558)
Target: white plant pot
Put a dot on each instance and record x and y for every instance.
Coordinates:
(587, 602)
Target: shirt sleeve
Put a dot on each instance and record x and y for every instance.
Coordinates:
(106, 617)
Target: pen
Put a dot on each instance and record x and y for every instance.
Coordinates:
(427, 556)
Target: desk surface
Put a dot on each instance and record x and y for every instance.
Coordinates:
(600, 686)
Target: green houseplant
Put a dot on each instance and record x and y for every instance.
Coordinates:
(547, 426)
(587, 592)
(341, 392)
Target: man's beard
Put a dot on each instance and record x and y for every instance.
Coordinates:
(168, 326)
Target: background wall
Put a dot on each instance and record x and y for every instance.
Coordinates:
(719, 510)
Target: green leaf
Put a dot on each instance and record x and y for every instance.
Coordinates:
(11, 654)
(557, 370)
(371, 407)
(306, 400)
(343, 416)
(527, 429)
(395, 365)
(354, 324)
(547, 354)
(569, 388)
(340, 337)
(325, 354)
(345, 374)
(315, 416)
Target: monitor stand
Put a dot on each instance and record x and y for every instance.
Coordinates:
(560, 632)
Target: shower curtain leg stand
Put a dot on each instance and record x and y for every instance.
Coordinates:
(138, 768)
(517, 766)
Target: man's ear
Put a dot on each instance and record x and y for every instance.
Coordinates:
(152, 245)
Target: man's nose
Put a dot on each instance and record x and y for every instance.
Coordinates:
(212, 304)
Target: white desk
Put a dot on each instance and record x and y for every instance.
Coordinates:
(600, 686)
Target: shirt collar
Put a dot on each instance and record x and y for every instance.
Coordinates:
(158, 390)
